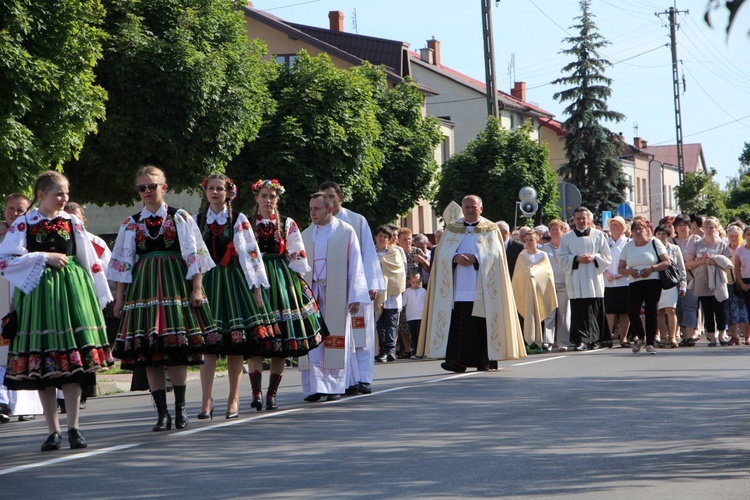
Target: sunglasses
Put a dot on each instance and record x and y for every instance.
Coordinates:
(142, 188)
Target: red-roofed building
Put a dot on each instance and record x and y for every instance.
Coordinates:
(462, 99)
(346, 50)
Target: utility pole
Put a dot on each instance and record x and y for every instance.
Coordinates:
(671, 14)
(489, 60)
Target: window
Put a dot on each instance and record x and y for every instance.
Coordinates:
(670, 197)
(286, 59)
(638, 190)
(629, 180)
(645, 192)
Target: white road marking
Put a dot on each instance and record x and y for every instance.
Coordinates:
(69, 458)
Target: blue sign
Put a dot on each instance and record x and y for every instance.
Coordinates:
(606, 215)
(625, 211)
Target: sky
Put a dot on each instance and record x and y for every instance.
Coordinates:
(715, 102)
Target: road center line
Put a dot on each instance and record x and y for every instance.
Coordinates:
(539, 361)
(77, 456)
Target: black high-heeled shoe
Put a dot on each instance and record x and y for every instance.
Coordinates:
(205, 415)
(231, 415)
(52, 442)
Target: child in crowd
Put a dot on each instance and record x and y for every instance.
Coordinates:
(414, 298)
(61, 338)
(388, 303)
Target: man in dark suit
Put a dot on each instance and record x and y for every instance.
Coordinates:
(513, 248)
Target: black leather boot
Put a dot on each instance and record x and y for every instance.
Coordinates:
(180, 414)
(164, 423)
(256, 378)
(273, 386)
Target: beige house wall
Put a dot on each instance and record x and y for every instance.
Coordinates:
(556, 145)
(280, 44)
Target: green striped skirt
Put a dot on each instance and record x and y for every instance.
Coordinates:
(158, 326)
(238, 318)
(61, 336)
(293, 308)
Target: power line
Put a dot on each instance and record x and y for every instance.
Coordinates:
(708, 94)
(552, 20)
(291, 5)
(708, 129)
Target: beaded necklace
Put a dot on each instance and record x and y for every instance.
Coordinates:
(154, 223)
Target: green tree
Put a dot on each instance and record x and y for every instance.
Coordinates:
(591, 149)
(732, 6)
(698, 193)
(49, 100)
(186, 91)
(738, 195)
(324, 127)
(408, 141)
(495, 166)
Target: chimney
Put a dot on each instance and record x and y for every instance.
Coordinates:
(637, 142)
(435, 46)
(644, 144)
(336, 19)
(519, 91)
(250, 4)
(427, 55)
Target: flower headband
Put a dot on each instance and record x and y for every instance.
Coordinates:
(268, 183)
(229, 181)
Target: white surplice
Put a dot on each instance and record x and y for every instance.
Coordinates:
(317, 375)
(362, 364)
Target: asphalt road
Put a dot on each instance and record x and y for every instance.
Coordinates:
(599, 424)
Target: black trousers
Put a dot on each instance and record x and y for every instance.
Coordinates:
(646, 293)
(714, 315)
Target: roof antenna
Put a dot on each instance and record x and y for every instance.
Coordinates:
(354, 21)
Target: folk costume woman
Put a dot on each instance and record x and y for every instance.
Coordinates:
(233, 289)
(61, 338)
(158, 263)
(301, 327)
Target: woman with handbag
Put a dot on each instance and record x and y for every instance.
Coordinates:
(666, 309)
(641, 260)
(701, 260)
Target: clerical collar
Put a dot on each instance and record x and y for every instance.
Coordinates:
(585, 232)
(470, 224)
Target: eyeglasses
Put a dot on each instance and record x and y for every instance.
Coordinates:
(142, 188)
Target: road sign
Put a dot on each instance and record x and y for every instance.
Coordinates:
(606, 216)
(570, 199)
(625, 211)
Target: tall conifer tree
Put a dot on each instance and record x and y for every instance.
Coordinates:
(592, 150)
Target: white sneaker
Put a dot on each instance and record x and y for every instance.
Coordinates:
(650, 349)
(637, 345)
(563, 349)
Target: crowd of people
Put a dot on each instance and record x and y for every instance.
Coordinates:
(179, 290)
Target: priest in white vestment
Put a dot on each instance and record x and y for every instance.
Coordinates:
(338, 281)
(584, 256)
(470, 317)
(362, 364)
